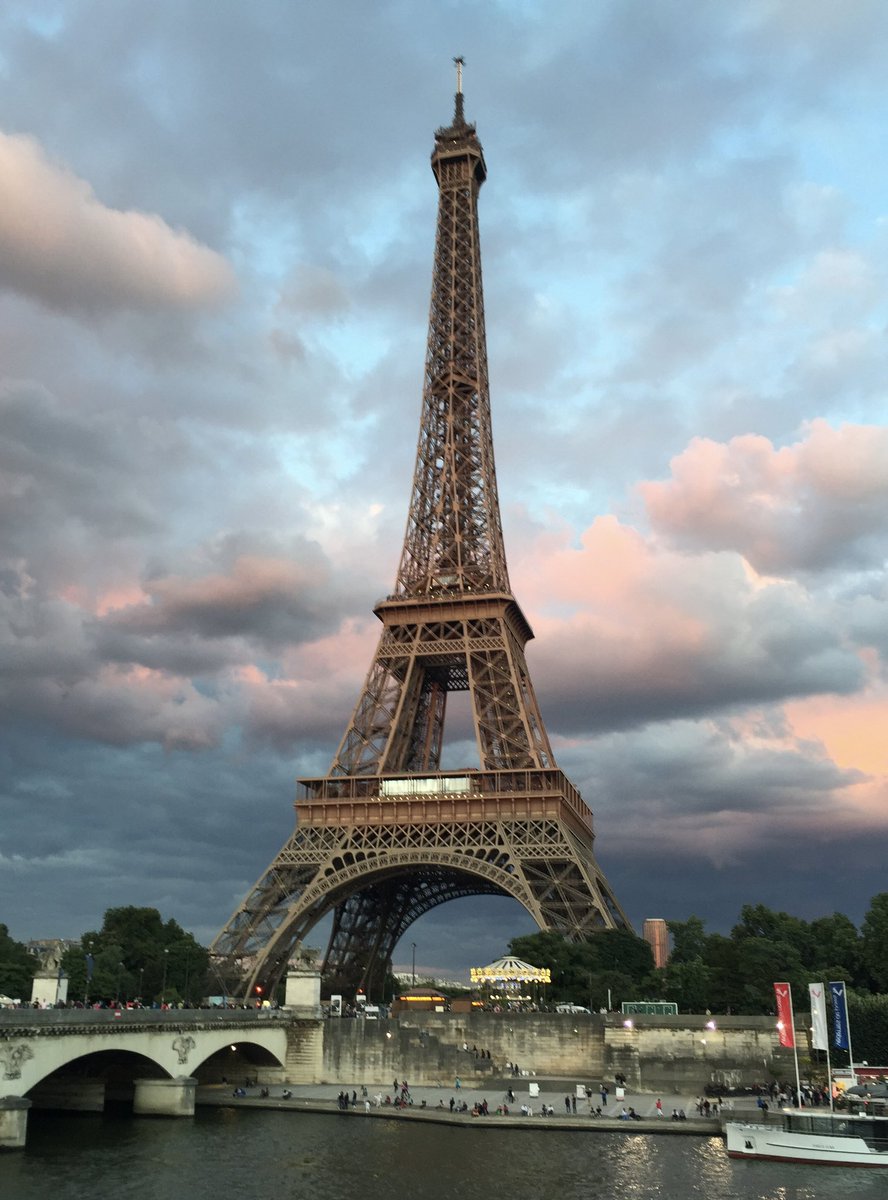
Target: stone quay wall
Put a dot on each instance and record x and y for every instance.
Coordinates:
(655, 1054)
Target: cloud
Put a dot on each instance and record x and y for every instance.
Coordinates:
(61, 246)
(819, 503)
(631, 630)
(277, 600)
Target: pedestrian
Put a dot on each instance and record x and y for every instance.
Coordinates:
(458, 1083)
(573, 1104)
(659, 1107)
(603, 1094)
(567, 1105)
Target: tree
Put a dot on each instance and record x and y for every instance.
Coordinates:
(547, 949)
(838, 949)
(613, 986)
(17, 967)
(875, 941)
(618, 950)
(689, 939)
(138, 954)
(614, 958)
(687, 983)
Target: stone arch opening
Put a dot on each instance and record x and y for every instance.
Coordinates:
(95, 1081)
(238, 1062)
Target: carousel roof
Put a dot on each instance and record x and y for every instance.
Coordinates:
(510, 970)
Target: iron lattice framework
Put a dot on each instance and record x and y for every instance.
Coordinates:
(387, 835)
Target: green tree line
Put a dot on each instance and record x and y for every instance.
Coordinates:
(722, 973)
(136, 955)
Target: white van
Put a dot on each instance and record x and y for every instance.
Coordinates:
(570, 1008)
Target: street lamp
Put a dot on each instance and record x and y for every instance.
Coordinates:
(141, 987)
(119, 970)
(163, 986)
(413, 944)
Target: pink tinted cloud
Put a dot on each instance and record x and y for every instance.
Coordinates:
(817, 503)
(255, 589)
(61, 246)
(854, 729)
(317, 687)
(629, 624)
(124, 705)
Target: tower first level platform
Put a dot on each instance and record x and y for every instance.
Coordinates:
(382, 850)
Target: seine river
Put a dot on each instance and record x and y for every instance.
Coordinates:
(225, 1154)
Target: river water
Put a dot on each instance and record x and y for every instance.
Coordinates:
(225, 1154)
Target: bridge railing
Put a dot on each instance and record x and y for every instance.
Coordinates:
(54, 1017)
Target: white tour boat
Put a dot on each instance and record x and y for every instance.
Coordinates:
(840, 1139)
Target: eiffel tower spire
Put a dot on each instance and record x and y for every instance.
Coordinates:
(454, 540)
(388, 834)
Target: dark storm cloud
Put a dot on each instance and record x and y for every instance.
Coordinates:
(274, 600)
(141, 806)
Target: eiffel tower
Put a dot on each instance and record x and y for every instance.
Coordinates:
(387, 834)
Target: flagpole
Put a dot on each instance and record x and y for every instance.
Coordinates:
(795, 1049)
(848, 1027)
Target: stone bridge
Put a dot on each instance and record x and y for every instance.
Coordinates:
(73, 1059)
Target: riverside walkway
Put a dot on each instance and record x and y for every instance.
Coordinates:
(322, 1098)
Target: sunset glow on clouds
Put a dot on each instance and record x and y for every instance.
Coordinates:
(213, 300)
(60, 245)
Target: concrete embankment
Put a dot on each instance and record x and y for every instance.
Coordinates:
(315, 1099)
(675, 1054)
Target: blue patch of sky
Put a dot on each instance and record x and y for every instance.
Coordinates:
(854, 161)
(46, 19)
(266, 239)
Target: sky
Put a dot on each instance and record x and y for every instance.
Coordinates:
(216, 237)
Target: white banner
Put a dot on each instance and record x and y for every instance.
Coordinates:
(819, 1035)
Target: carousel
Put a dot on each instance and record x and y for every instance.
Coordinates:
(510, 982)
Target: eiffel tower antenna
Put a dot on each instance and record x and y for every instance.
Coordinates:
(387, 835)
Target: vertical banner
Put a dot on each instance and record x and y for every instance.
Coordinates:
(841, 1037)
(783, 993)
(819, 1036)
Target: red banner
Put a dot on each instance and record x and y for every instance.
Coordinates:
(783, 992)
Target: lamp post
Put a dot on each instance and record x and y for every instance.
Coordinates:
(163, 986)
(119, 972)
(413, 944)
(141, 983)
(187, 966)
